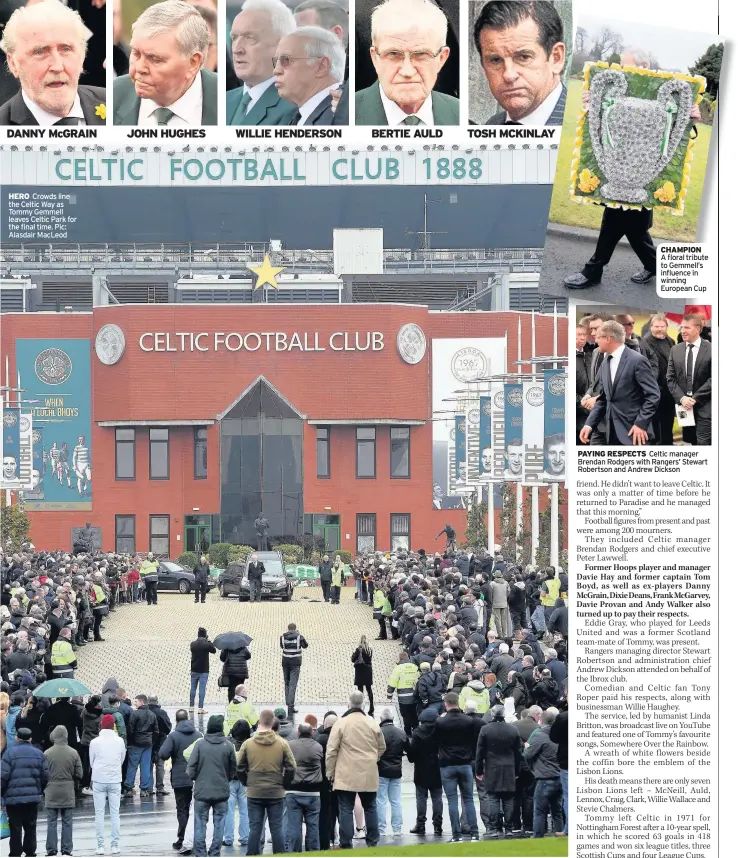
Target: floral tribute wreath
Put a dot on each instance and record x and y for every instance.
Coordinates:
(669, 189)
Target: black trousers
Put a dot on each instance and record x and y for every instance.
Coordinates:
(233, 683)
(409, 713)
(328, 818)
(150, 591)
(182, 798)
(421, 806)
(325, 586)
(84, 755)
(634, 224)
(96, 626)
(663, 421)
(335, 595)
(201, 589)
(22, 821)
(525, 786)
(382, 628)
(369, 691)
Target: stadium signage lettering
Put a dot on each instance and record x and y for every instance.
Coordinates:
(270, 341)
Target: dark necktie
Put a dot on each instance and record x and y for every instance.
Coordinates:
(163, 115)
(240, 114)
(296, 118)
(412, 120)
(609, 369)
(69, 120)
(510, 122)
(690, 367)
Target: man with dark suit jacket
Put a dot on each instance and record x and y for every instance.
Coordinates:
(408, 51)
(255, 573)
(308, 70)
(596, 358)
(630, 395)
(522, 50)
(689, 378)
(166, 83)
(45, 45)
(582, 375)
(661, 345)
(255, 35)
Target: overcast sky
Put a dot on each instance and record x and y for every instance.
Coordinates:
(642, 24)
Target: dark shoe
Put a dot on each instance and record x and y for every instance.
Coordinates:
(227, 843)
(579, 281)
(51, 853)
(102, 640)
(163, 791)
(145, 793)
(418, 829)
(643, 277)
(177, 845)
(490, 834)
(454, 840)
(474, 838)
(66, 853)
(438, 832)
(185, 852)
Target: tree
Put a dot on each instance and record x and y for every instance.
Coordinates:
(614, 58)
(14, 525)
(475, 538)
(580, 39)
(606, 42)
(653, 62)
(708, 65)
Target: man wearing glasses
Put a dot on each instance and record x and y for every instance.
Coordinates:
(255, 35)
(408, 51)
(308, 68)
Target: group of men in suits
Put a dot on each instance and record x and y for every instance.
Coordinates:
(629, 389)
(292, 65)
(45, 45)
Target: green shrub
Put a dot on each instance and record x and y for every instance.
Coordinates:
(238, 553)
(218, 554)
(345, 555)
(188, 558)
(315, 558)
(291, 553)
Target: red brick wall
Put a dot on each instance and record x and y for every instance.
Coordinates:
(321, 385)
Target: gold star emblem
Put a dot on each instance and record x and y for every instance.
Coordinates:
(266, 273)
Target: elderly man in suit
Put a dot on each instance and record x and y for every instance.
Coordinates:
(630, 395)
(255, 36)
(45, 44)
(308, 68)
(166, 83)
(689, 377)
(521, 47)
(408, 51)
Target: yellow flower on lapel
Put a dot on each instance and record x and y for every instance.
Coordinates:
(101, 111)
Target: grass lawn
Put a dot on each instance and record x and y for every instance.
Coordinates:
(665, 225)
(556, 846)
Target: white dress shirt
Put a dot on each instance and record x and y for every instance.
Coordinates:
(312, 103)
(256, 91)
(695, 351)
(541, 114)
(43, 117)
(187, 109)
(614, 362)
(396, 116)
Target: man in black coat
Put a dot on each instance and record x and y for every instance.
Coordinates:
(582, 375)
(143, 729)
(498, 763)
(66, 714)
(390, 773)
(201, 649)
(173, 747)
(255, 574)
(455, 735)
(202, 576)
(661, 345)
(689, 378)
(325, 577)
(423, 752)
(164, 724)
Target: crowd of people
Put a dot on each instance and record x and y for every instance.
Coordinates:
(480, 684)
(661, 381)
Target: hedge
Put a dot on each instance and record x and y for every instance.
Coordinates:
(239, 552)
(218, 554)
(188, 558)
(291, 553)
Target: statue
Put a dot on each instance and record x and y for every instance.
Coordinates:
(262, 525)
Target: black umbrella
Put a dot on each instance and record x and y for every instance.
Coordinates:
(232, 640)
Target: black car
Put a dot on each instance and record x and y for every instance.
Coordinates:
(172, 576)
(276, 582)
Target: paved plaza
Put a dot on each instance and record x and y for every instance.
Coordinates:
(147, 648)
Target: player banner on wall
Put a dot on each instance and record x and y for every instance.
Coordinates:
(513, 432)
(633, 146)
(460, 452)
(472, 444)
(554, 421)
(532, 432)
(57, 374)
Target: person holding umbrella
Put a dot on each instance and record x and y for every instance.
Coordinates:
(234, 654)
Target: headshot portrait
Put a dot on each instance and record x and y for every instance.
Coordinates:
(168, 82)
(53, 80)
(554, 456)
(514, 459)
(518, 53)
(409, 50)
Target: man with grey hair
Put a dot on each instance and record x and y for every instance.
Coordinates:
(661, 344)
(255, 35)
(45, 44)
(308, 66)
(541, 755)
(167, 84)
(629, 396)
(408, 51)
